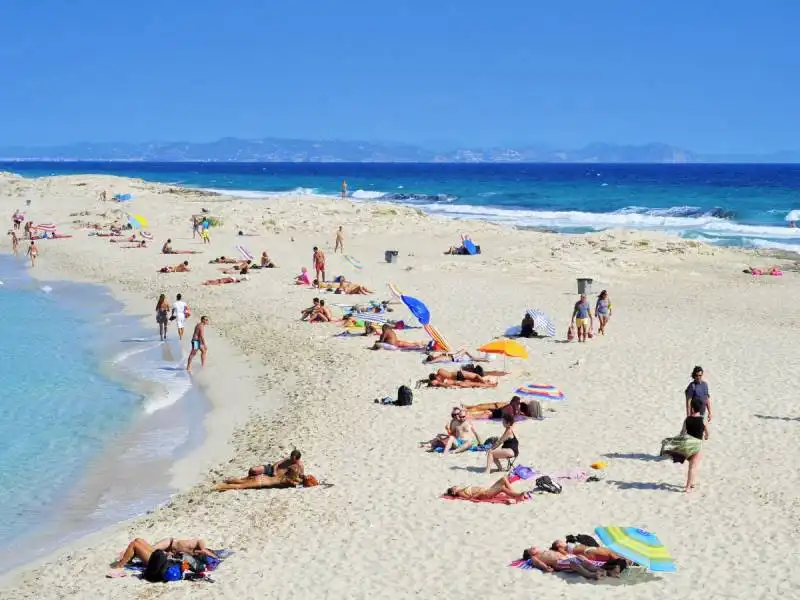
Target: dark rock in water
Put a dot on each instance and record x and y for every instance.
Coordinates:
(721, 213)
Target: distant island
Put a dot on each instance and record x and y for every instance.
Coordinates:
(326, 151)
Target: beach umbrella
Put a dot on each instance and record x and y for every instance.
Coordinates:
(543, 325)
(137, 221)
(506, 347)
(638, 545)
(416, 306)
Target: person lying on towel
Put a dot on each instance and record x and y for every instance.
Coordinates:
(499, 488)
(276, 469)
(142, 550)
(496, 410)
(181, 268)
(293, 476)
(461, 379)
(388, 336)
(351, 289)
(223, 261)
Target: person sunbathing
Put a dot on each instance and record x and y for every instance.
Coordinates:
(500, 487)
(461, 375)
(238, 267)
(388, 336)
(181, 268)
(277, 469)
(458, 356)
(434, 381)
(223, 261)
(458, 434)
(291, 477)
(122, 241)
(142, 549)
(597, 554)
(351, 289)
(139, 244)
(227, 280)
(496, 410)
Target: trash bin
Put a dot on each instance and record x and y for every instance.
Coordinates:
(391, 256)
(585, 285)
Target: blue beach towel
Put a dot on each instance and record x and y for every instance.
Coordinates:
(481, 448)
(470, 247)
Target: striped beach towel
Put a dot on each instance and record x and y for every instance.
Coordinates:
(438, 338)
(244, 252)
(371, 317)
(545, 392)
(353, 261)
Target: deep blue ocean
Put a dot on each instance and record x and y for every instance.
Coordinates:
(739, 205)
(83, 388)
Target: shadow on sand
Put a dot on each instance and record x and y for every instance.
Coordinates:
(774, 418)
(645, 485)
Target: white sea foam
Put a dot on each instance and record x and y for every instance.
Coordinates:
(173, 383)
(770, 245)
(367, 195)
(134, 350)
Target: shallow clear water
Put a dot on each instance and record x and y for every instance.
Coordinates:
(740, 205)
(78, 399)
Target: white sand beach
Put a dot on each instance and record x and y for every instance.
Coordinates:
(382, 530)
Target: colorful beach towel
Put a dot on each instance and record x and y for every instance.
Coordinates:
(244, 252)
(370, 317)
(545, 392)
(474, 448)
(138, 566)
(353, 261)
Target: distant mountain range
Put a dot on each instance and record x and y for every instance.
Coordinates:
(289, 150)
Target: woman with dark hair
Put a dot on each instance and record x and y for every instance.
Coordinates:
(688, 446)
(500, 487)
(507, 445)
(496, 410)
(602, 310)
(162, 316)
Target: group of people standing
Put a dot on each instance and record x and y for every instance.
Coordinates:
(179, 312)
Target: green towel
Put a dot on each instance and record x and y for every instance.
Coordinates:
(680, 448)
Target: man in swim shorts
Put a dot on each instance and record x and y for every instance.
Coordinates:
(582, 318)
(198, 343)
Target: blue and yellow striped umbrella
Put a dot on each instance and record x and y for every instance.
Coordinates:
(638, 545)
(137, 221)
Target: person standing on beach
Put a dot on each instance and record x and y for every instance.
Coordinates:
(198, 343)
(33, 252)
(318, 258)
(14, 242)
(162, 316)
(697, 390)
(339, 240)
(180, 312)
(344, 189)
(602, 310)
(582, 317)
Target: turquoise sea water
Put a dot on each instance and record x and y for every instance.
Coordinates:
(81, 386)
(737, 205)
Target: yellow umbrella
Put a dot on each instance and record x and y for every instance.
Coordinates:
(505, 347)
(137, 221)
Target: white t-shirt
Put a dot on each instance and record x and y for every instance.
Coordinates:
(179, 310)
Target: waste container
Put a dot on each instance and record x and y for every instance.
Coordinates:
(585, 285)
(391, 256)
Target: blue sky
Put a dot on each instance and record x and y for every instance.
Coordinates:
(707, 75)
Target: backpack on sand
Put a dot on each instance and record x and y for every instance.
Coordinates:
(405, 396)
(546, 484)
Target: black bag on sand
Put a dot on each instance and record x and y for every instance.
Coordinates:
(405, 397)
(546, 484)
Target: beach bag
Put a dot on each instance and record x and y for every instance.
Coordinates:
(188, 312)
(570, 333)
(160, 568)
(546, 484)
(405, 396)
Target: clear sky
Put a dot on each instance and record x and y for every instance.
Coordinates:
(708, 75)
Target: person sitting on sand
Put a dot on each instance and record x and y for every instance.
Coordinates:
(322, 314)
(496, 410)
(291, 477)
(277, 469)
(266, 261)
(459, 434)
(142, 549)
(222, 260)
(500, 487)
(388, 336)
(303, 278)
(181, 268)
(307, 312)
(459, 249)
(527, 327)
(352, 289)
(166, 248)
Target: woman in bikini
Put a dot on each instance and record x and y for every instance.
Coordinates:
(597, 554)
(496, 410)
(142, 550)
(388, 336)
(434, 380)
(352, 289)
(501, 486)
(181, 268)
(291, 477)
(507, 445)
(162, 316)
